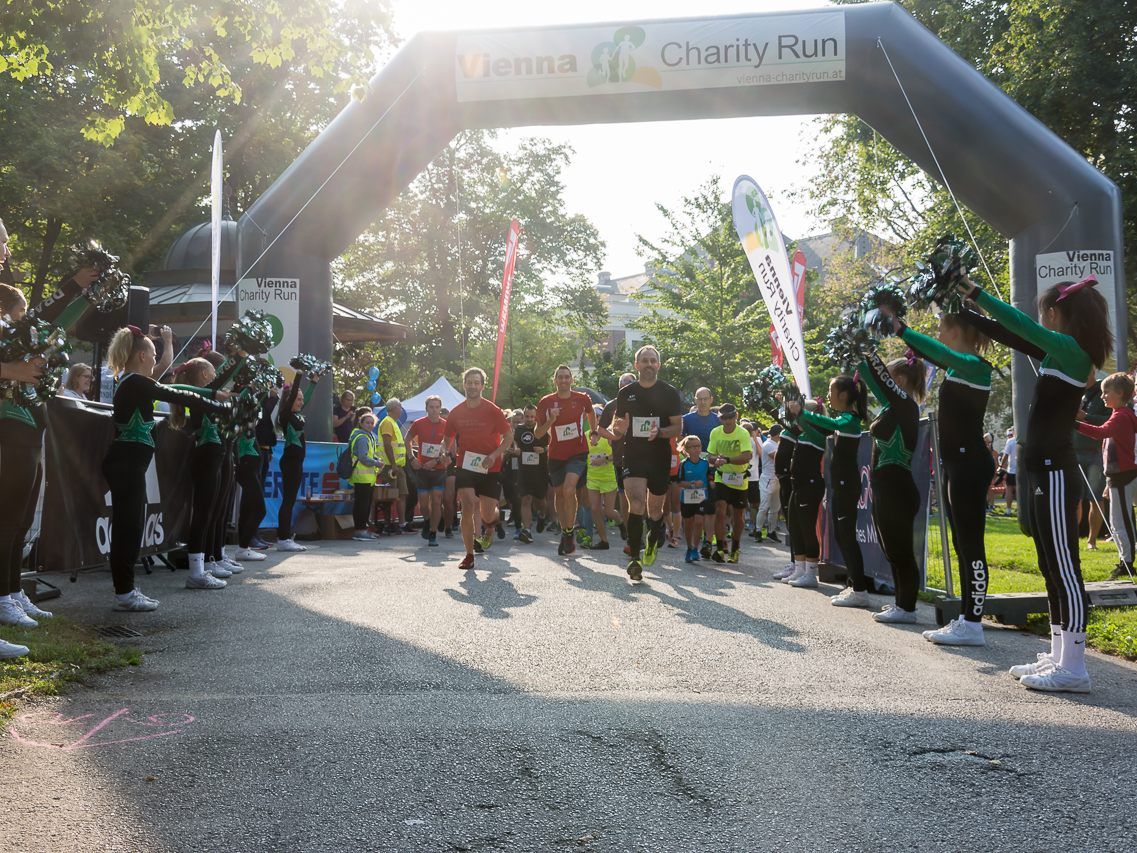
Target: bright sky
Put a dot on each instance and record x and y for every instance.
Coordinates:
(681, 155)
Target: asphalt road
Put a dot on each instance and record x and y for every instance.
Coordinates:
(372, 697)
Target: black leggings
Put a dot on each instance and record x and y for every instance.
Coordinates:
(846, 493)
(966, 480)
(206, 467)
(19, 469)
(252, 499)
(895, 502)
(125, 471)
(291, 473)
(805, 501)
(1054, 494)
(223, 510)
(361, 507)
(785, 493)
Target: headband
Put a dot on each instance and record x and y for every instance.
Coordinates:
(910, 356)
(135, 331)
(1065, 290)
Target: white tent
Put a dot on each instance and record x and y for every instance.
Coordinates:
(416, 406)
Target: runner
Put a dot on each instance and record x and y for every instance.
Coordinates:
(754, 487)
(700, 423)
(729, 451)
(674, 520)
(563, 415)
(429, 462)
(648, 413)
(478, 430)
(766, 524)
(533, 480)
(694, 485)
(783, 463)
(601, 487)
(606, 418)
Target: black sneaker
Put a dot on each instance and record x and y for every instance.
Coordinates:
(448, 533)
(1119, 573)
(432, 539)
(478, 549)
(757, 534)
(525, 536)
(569, 540)
(600, 546)
(426, 531)
(540, 524)
(500, 531)
(705, 551)
(635, 570)
(773, 536)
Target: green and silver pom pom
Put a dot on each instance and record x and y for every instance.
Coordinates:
(759, 394)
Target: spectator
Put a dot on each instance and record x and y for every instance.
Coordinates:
(366, 463)
(343, 416)
(394, 455)
(78, 384)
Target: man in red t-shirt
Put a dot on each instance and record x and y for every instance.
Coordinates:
(481, 433)
(428, 461)
(562, 415)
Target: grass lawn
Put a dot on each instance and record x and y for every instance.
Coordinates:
(1014, 568)
(61, 652)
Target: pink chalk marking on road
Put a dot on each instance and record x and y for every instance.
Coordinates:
(175, 722)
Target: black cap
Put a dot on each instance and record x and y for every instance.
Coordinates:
(727, 410)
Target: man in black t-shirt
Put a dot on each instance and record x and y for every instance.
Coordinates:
(649, 413)
(604, 427)
(533, 470)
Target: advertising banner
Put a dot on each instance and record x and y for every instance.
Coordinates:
(876, 564)
(215, 181)
(765, 249)
(511, 244)
(651, 56)
(797, 270)
(279, 298)
(1056, 267)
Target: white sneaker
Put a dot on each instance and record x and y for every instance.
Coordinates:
(1057, 680)
(218, 570)
(135, 602)
(893, 615)
(11, 613)
(806, 580)
(1044, 664)
(11, 650)
(29, 607)
(249, 555)
(957, 632)
(784, 573)
(232, 565)
(799, 570)
(850, 597)
(206, 581)
(289, 545)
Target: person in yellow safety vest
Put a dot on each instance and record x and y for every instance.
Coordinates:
(365, 468)
(395, 458)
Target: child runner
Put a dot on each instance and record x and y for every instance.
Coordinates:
(694, 482)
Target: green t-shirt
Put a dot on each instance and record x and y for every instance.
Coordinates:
(733, 443)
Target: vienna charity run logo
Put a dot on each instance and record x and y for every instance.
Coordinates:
(153, 534)
(615, 61)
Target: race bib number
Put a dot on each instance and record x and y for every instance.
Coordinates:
(694, 496)
(598, 459)
(642, 427)
(733, 478)
(567, 432)
(528, 457)
(432, 451)
(674, 462)
(475, 462)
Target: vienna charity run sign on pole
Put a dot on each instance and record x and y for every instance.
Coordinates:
(766, 251)
(511, 244)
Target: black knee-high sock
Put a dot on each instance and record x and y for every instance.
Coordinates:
(635, 534)
(655, 529)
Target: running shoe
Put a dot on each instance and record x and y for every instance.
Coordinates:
(651, 549)
(1121, 572)
(568, 542)
(1057, 680)
(718, 556)
(691, 556)
(29, 607)
(785, 572)
(540, 524)
(705, 551)
(11, 650)
(806, 580)
(249, 554)
(957, 632)
(893, 615)
(232, 565)
(11, 613)
(425, 531)
(467, 563)
(500, 531)
(525, 536)
(362, 536)
(218, 570)
(432, 540)
(602, 545)
(635, 570)
(772, 535)
(206, 581)
(449, 533)
(290, 545)
(756, 535)
(850, 597)
(1043, 664)
(480, 544)
(734, 555)
(258, 543)
(135, 602)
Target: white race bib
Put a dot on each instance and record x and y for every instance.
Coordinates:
(598, 459)
(693, 496)
(475, 462)
(674, 462)
(528, 457)
(567, 432)
(431, 451)
(733, 478)
(641, 427)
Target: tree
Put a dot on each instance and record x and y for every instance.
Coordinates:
(707, 316)
(434, 259)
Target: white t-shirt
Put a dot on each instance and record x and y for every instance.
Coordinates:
(1012, 461)
(769, 448)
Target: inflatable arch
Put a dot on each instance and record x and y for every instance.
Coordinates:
(1061, 216)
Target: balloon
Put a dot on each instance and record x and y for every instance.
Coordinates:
(370, 385)
(376, 398)
(373, 374)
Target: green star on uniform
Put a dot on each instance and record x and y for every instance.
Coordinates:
(136, 430)
(208, 433)
(14, 412)
(292, 437)
(893, 452)
(246, 446)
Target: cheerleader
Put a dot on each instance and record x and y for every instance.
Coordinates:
(899, 387)
(21, 443)
(966, 465)
(848, 400)
(1072, 339)
(132, 353)
(807, 488)
(783, 462)
(291, 423)
(222, 510)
